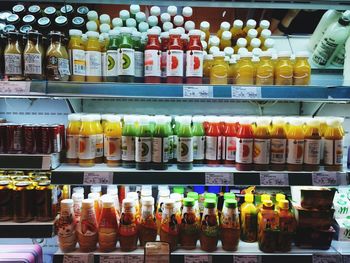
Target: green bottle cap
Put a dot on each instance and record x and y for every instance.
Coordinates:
(188, 201)
(179, 190)
(210, 196)
(231, 203)
(229, 196)
(193, 195)
(209, 203)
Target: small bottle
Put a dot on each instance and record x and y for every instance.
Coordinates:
(175, 57)
(61, 24)
(284, 69)
(185, 145)
(194, 59)
(44, 24)
(87, 230)
(265, 34)
(189, 227)
(77, 55)
(13, 57)
(237, 31)
(33, 56)
(245, 70)
(187, 13)
(312, 154)
(295, 145)
(155, 11)
(251, 24)
(229, 141)
(301, 69)
(205, 27)
(66, 227)
(93, 58)
(164, 37)
(82, 11)
(92, 26)
(265, 70)
(78, 23)
(143, 144)
(225, 40)
(107, 226)
(219, 69)
(229, 225)
(333, 145)
(244, 145)
(241, 43)
(128, 226)
(209, 233)
(278, 144)
(169, 229)
(213, 142)
(50, 12)
(224, 26)
(161, 144)
(131, 23)
(112, 141)
(153, 57)
(99, 137)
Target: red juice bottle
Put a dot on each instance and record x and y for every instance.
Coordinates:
(174, 69)
(213, 141)
(244, 145)
(153, 55)
(164, 37)
(194, 58)
(229, 142)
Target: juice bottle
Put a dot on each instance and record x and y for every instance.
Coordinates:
(302, 69)
(252, 33)
(214, 41)
(169, 228)
(269, 43)
(143, 144)
(189, 227)
(65, 226)
(93, 16)
(161, 144)
(254, 43)
(198, 139)
(163, 194)
(87, 230)
(265, 70)
(265, 34)
(147, 228)
(112, 56)
(205, 27)
(267, 226)
(207, 64)
(333, 145)
(232, 70)
(128, 227)
(219, 69)
(230, 225)
(241, 43)
(262, 143)
(286, 226)
(229, 141)
(237, 31)
(87, 141)
(175, 57)
(164, 37)
(224, 26)
(214, 50)
(104, 40)
(128, 142)
(177, 198)
(13, 57)
(107, 226)
(213, 141)
(249, 219)
(185, 145)
(99, 138)
(312, 153)
(112, 141)
(251, 24)
(126, 56)
(263, 25)
(93, 58)
(209, 233)
(278, 144)
(245, 70)
(76, 52)
(72, 138)
(284, 69)
(187, 13)
(229, 51)
(225, 40)
(153, 56)
(139, 58)
(295, 145)
(165, 17)
(194, 58)
(244, 145)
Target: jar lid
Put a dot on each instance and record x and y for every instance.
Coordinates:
(12, 19)
(231, 203)
(204, 25)
(50, 10)
(209, 203)
(66, 9)
(155, 11)
(82, 10)
(25, 29)
(78, 21)
(88, 203)
(179, 189)
(44, 22)
(18, 8)
(28, 19)
(61, 20)
(193, 195)
(210, 196)
(34, 9)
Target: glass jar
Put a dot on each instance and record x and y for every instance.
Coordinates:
(13, 57)
(33, 56)
(5, 198)
(43, 200)
(148, 226)
(128, 227)
(23, 196)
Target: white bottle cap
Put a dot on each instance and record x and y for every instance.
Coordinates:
(241, 51)
(91, 26)
(232, 61)
(178, 20)
(147, 201)
(155, 11)
(124, 14)
(185, 37)
(204, 44)
(133, 195)
(95, 188)
(284, 54)
(195, 32)
(227, 59)
(208, 57)
(214, 49)
(175, 197)
(269, 43)
(88, 203)
(181, 30)
(214, 41)
(130, 22)
(134, 9)
(219, 54)
(203, 35)
(189, 25)
(302, 54)
(255, 42)
(228, 51)
(92, 34)
(92, 15)
(265, 33)
(295, 122)
(143, 27)
(114, 32)
(252, 33)
(264, 24)
(126, 30)
(172, 10)
(278, 121)
(187, 11)
(105, 19)
(67, 203)
(87, 118)
(256, 52)
(265, 54)
(226, 35)
(225, 26)
(76, 33)
(242, 42)
(169, 204)
(204, 25)
(74, 116)
(158, 29)
(163, 34)
(104, 28)
(146, 192)
(152, 21)
(174, 31)
(164, 192)
(117, 22)
(238, 23)
(167, 26)
(251, 23)
(140, 17)
(165, 17)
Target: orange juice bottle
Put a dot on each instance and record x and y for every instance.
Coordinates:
(302, 69)
(72, 138)
(262, 141)
(312, 153)
(205, 27)
(241, 42)
(284, 69)
(224, 26)
(278, 144)
(264, 24)
(265, 70)
(254, 43)
(252, 33)
(112, 140)
(251, 24)
(295, 145)
(225, 40)
(265, 34)
(76, 51)
(237, 31)
(245, 70)
(219, 69)
(207, 64)
(333, 145)
(99, 138)
(87, 141)
(93, 58)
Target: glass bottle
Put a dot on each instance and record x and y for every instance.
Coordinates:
(126, 56)
(229, 225)
(128, 227)
(87, 230)
(169, 229)
(189, 228)
(107, 226)
(148, 227)
(13, 57)
(43, 200)
(6, 195)
(23, 196)
(209, 234)
(267, 228)
(248, 219)
(65, 227)
(286, 225)
(33, 56)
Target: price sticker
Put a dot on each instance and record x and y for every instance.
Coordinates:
(274, 179)
(98, 178)
(245, 92)
(325, 178)
(14, 87)
(134, 259)
(245, 259)
(112, 259)
(325, 258)
(197, 91)
(78, 258)
(197, 259)
(219, 178)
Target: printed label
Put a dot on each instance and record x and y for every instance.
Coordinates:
(213, 147)
(312, 151)
(139, 67)
(261, 151)
(194, 63)
(78, 62)
(153, 62)
(93, 63)
(198, 147)
(295, 151)
(185, 149)
(163, 63)
(112, 63)
(33, 63)
(13, 64)
(112, 148)
(333, 151)
(87, 147)
(229, 219)
(63, 66)
(324, 51)
(128, 148)
(244, 151)
(175, 63)
(229, 148)
(175, 143)
(72, 146)
(126, 61)
(338, 61)
(160, 150)
(99, 145)
(143, 149)
(278, 151)
(104, 63)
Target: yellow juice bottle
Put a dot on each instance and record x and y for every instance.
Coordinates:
(87, 141)
(302, 69)
(76, 52)
(205, 27)
(245, 70)
(112, 141)
(207, 64)
(214, 41)
(249, 219)
(228, 51)
(72, 138)
(312, 152)
(237, 31)
(224, 26)
(93, 58)
(99, 138)
(265, 70)
(264, 24)
(284, 69)
(241, 42)
(93, 16)
(219, 69)
(254, 43)
(265, 34)
(252, 33)
(295, 145)
(251, 24)
(225, 40)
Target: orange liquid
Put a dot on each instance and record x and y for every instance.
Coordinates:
(87, 131)
(284, 72)
(333, 156)
(261, 150)
(72, 134)
(295, 156)
(265, 72)
(112, 143)
(245, 72)
(219, 71)
(76, 43)
(278, 148)
(302, 72)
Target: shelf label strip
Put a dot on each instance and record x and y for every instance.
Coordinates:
(322, 258)
(79, 258)
(280, 179)
(198, 91)
(14, 87)
(246, 259)
(245, 92)
(98, 178)
(218, 178)
(197, 259)
(325, 178)
(112, 259)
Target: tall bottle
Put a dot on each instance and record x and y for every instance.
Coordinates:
(126, 56)
(161, 144)
(78, 197)
(312, 154)
(108, 226)
(87, 141)
(128, 226)
(112, 56)
(143, 144)
(244, 145)
(66, 227)
(76, 52)
(13, 57)
(333, 145)
(245, 70)
(87, 228)
(185, 145)
(198, 140)
(229, 141)
(278, 145)
(175, 58)
(209, 233)
(295, 145)
(229, 225)
(128, 142)
(72, 138)
(112, 141)
(164, 37)
(346, 71)
(237, 31)
(194, 58)
(205, 27)
(33, 56)
(249, 219)
(286, 226)
(267, 226)
(262, 144)
(189, 227)
(265, 70)
(147, 228)
(93, 58)
(169, 228)
(224, 26)
(251, 24)
(153, 56)
(213, 142)
(139, 57)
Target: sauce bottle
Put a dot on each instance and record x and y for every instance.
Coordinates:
(213, 142)
(107, 226)
(248, 219)
(302, 69)
(198, 139)
(87, 141)
(87, 230)
(128, 227)
(229, 142)
(284, 69)
(209, 233)
(185, 145)
(295, 145)
(66, 227)
(214, 41)
(93, 58)
(153, 58)
(175, 58)
(219, 69)
(267, 226)
(251, 24)
(126, 56)
(244, 145)
(333, 145)
(278, 144)
(205, 27)
(262, 143)
(312, 154)
(229, 225)
(13, 57)
(286, 226)
(263, 25)
(169, 228)
(189, 227)
(237, 31)
(224, 26)
(143, 144)
(163, 194)
(112, 141)
(33, 56)
(245, 70)
(161, 144)
(194, 58)
(77, 55)
(147, 228)
(128, 142)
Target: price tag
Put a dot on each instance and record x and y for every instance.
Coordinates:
(112, 259)
(219, 178)
(78, 258)
(245, 259)
(245, 92)
(197, 259)
(98, 178)
(274, 179)
(325, 178)
(14, 87)
(134, 259)
(325, 258)
(197, 91)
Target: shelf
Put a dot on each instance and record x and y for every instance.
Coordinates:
(23, 88)
(204, 175)
(29, 161)
(32, 229)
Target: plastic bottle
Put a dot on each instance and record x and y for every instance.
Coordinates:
(87, 231)
(76, 52)
(241, 43)
(249, 219)
(128, 142)
(346, 71)
(302, 69)
(209, 234)
(124, 15)
(205, 27)
(224, 26)
(72, 138)
(265, 70)
(237, 31)
(213, 142)
(112, 56)
(103, 40)
(333, 145)
(78, 198)
(263, 25)
(126, 56)
(219, 69)
(185, 145)
(112, 141)
(178, 20)
(214, 41)
(207, 65)
(93, 58)
(128, 228)
(189, 227)
(155, 11)
(295, 145)
(134, 9)
(175, 57)
(66, 225)
(252, 33)
(278, 144)
(262, 144)
(284, 69)
(169, 229)
(251, 24)
(87, 141)
(225, 40)
(198, 139)
(286, 226)
(139, 58)
(245, 70)
(312, 154)
(99, 137)
(244, 145)
(161, 144)
(187, 13)
(143, 144)
(230, 225)
(172, 11)
(267, 226)
(93, 16)
(229, 142)
(108, 226)
(147, 228)
(194, 59)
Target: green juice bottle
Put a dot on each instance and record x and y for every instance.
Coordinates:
(126, 56)
(161, 144)
(198, 140)
(128, 142)
(143, 144)
(112, 56)
(185, 144)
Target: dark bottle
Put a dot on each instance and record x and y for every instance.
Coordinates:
(4, 15)
(78, 23)
(82, 11)
(61, 23)
(35, 10)
(67, 11)
(50, 12)
(19, 10)
(44, 24)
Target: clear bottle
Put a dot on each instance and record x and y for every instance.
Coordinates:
(128, 142)
(249, 219)
(224, 26)
(198, 140)
(13, 57)
(107, 226)
(126, 56)
(66, 227)
(245, 70)
(189, 227)
(219, 69)
(147, 228)
(241, 43)
(93, 58)
(302, 69)
(237, 31)
(33, 56)
(128, 226)
(230, 225)
(333, 145)
(205, 27)
(76, 52)
(185, 145)
(87, 141)
(87, 230)
(72, 138)
(251, 24)
(175, 58)
(161, 144)
(209, 233)
(265, 70)
(169, 228)
(112, 56)
(143, 144)
(284, 69)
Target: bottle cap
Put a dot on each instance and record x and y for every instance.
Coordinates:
(228, 51)
(155, 11)
(28, 19)
(204, 45)
(265, 54)
(333, 122)
(67, 203)
(208, 57)
(284, 54)
(189, 25)
(61, 20)
(238, 23)
(167, 26)
(264, 197)
(66, 9)
(104, 28)
(231, 203)
(181, 30)
(264, 24)
(130, 22)
(91, 26)
(295, 122)
(88, 203)
(193, 195)
(146, 192)
(249, 198)
(76, 33)
(143, 27)
(95, 188)
(313, 122)
(165, 17)
(158, 29)
(269, 43)
(50, 10)
(92, 15)
(218, 54)
(164, 192)
(188, 201)
(178, 20)
(92, 34)
(210, 196)
(251, 23)
(204, 25)
(247, 54)
(172, 10)
(214, 41)
(203, 36)
(225, 26)
(195, 32)
(82, 10)
(174, 31)
(44, 21)
(176, 197)
(125, 30)
(18, 8)
(229, 196)
(267, 203)
(185, 37)
(132, 196)
(283, 204)
(280, 197)
(152, 21)
(107, 201)
(147, 201)
(187, 11)
(134, 9)
(124, 14)
(112, 188)
(209, 203)
(127, 202)
(265, 33)
(117, 22)
(302, 54)
(278, 121)
(256, 52)
(179, 189)
(252, 33)
(105, 19)
(242, 42)
(255, 42)
(226, 35)
(213, 50)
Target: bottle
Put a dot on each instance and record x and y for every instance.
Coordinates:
(153, 56)
(175, 57)
(252, 33)
(93, 58)
(265, 34)
(185, 145)
(205, 27)
(107, 226)
(328, 19)
(194, 58)
(147, 228)
(104, 42)
(267, 228)
(219, 69)
(72, 138)
(198, 139)
(76, 52)
(13, 57)
(87, 141)
(254, 43)
(237, 31)
(126, 56)
(263, 25)
(66, 227)
(346, 71)
(286, 226)
(245, 70)
(295, 145)
(229, 141)
(33, 56)
(333, 145)
(61, 24)
(229, 225)
(187, 13)
(207, 65)
(251, 24)
(249, 219)
(83, 11)
(335, 36)
(172, 11)
(169, 229)
(265, 70)
(112, 56)
(134, 9)
(112, 140)
(284, 69)
(244, 145)
(209, 232)
(214, 41)
(225, 40)
(224, 26)
(164, 37)
(93, 16)
(189, 227)
(87, 230)
(213, 142)
(312, 151)
(78, 198)
(163, 194)
(67, 10)
(278, 144)
(99, 137)
(241, 43)
(139, 58)
(161, 144)
(128, 228)
(302, 69)
(262, 143)
(143, 144)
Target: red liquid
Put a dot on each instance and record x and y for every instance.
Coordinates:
(164, 48)
(213, 144)
(194, 60)
(154, 45)
(244, 144)
(229, 145)
(175, 44)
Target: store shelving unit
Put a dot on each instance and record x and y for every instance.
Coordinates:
(31, 229)
(29, 161)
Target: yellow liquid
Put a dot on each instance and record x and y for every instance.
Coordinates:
(207, 35)
(219, 71)
(76, 43)
(219, 33)
(99, 141)
(87, 130)
(302, 72)
(93, 44)
(232, 73)
(284, 72)
(225, 43)
(236, 34)
(112, 133)
(73, 129)
(245, 72)
(264, 72)
(207, 67)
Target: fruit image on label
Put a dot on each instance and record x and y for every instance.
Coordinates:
(244, 152)
(175, 62)
(261, 151)
(185, 149)
(126, 61)
(295, 152)
(111, 62)
(143, 149)
(194, 63)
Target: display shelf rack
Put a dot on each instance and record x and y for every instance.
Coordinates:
(32, 229)
(29, 161)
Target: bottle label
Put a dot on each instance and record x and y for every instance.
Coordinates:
(295, 151)
(160, 150)
(78, 62)
(261, 151)
(333, 152)
(112, 148)
(244, 153)
(63, 66)
(175, 143)
(185, 149)
(87, 147)
(143, 149)
(13, 64)
(128, 148)
(229, 218)
(163, 63)
(126, 61)
(112, 63)
(72, 146)
(153, 62)
(198, 147)
(32, 63)
(139, 64)
(174, 63)
(324, 51)
(213, 147)
(87, 225)
(278, 151)
(104, 63)
(229, 148)
(339, 58)
(99, 145)
(66, 225)
(194, 63)
(312, 152)
(93, 63)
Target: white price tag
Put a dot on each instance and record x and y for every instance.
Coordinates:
(98, 178)
(14, 87)
(274, 179)
(245, 92)
(245, 259)
(78, 258)
(325, 178)
(157, 252)
(112, 259)
(219, 178)
(134, 259)
(325, 258)
(197, 91)
(197, 259)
